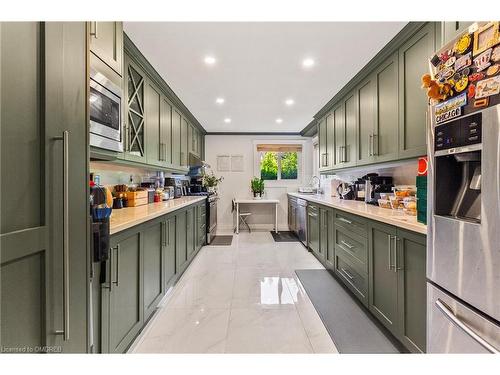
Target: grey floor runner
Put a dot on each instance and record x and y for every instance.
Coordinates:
(284, 236)
(349, 326)
(221, 241)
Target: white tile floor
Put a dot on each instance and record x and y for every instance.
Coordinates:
(243, 298)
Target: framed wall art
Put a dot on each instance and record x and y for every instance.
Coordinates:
(486, 37)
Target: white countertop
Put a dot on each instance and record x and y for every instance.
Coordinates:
(128, 217)
(263, 200)
(385, 215)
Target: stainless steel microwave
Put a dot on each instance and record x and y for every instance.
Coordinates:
(105, 113)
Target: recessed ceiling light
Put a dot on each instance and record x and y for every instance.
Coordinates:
(227, 120)
(279, 120)
(289, 102)
(220, 100)
(210, 60)
(307, 63)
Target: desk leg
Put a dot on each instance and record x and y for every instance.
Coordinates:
(237, 218)
(276, 218)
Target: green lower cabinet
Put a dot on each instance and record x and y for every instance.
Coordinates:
(153, 263)
(383, 301)
(190, 233)
(323, 233)
(169, 252)
(330, 247)
(313, 229)
(122, 295)
(201, 226)
(412, 297)
(180, 242)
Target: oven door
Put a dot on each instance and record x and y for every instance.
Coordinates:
(105, 112)
(212, 212)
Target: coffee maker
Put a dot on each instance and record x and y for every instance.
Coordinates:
(375, 185)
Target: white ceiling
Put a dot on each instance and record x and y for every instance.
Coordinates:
(259, 66)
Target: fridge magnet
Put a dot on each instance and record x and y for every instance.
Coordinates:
(483, 60)
(450, 62)
(488, 87)
(445, 55)
(481, 102)
(485, 37)
(495, 55)
(463, 61)
(474, 77)
(471, 91)
(492, 70)
(435, 60)
(463, 43)
(450, 109)
(462, 83)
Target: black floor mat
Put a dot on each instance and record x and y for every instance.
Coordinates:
(349, 326)
(284, 236)
(222, 241)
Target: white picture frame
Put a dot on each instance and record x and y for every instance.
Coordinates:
(237, 163)
(223, 163)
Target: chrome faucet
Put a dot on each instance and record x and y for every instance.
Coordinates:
(318, 189)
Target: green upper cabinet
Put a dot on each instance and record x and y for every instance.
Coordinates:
(385, 136)
(154, 147)
(366, 121)
(176, 137)
(135, 133)
(194, 140)
(338, 141)
(413, 63)
(106, 42)
(322, 135)
(184, 142)
(166, 131)
(344, 135)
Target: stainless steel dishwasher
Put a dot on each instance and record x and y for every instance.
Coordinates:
(301, 224)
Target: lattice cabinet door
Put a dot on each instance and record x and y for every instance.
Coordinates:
(135, 130)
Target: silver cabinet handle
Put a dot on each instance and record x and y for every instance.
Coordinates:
(93, 30)
(389, 250)
(345, 220)
(446, 310)
(65, 139)
(347, 273)
(312, 214)
(370, 145)
(396, 256)
(349, 246)
(117, 267)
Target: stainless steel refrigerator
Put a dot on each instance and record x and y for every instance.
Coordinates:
(463, 242)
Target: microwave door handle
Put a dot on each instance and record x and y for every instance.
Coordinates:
(443, 307)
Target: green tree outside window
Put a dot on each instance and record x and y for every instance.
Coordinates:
(279, 165)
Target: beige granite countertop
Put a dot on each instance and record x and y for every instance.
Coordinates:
(385, 215)
(128, 217)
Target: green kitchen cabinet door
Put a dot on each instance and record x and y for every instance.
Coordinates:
(313, 229)
(413, 104)
(201, 224)
(412, 297)
(184, 142)
(180, 242)
(122, 294)
(166, 131)
(330, 248)
(154, 145)
(366, 116)
(385, 137)
(338, 136)
(190, 232)
(169, 252)
(323, 234)
(351, 124)
(41, 65)
(153, 252)
(383, 283)
(135, 129)
(176, 137)
(322, 140)
(106, 42)
(330, 140)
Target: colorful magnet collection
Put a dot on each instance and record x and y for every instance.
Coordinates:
(467, 71)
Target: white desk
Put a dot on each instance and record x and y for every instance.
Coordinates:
(256, 201)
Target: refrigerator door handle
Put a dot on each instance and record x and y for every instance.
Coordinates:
(445, 309)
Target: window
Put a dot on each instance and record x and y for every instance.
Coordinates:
(279, 162)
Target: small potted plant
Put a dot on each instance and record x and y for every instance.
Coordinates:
(257, 186)
(210, 181)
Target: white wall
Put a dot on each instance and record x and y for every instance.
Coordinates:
(237, 184)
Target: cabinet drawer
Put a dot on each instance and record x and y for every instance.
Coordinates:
(356, 281)
(352, 246)
(352, 223)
